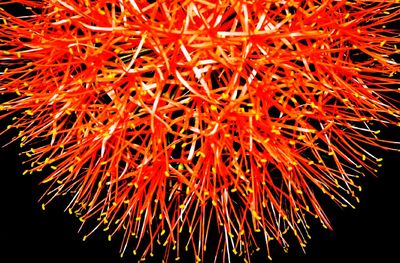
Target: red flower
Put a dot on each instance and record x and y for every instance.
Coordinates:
(168, 117)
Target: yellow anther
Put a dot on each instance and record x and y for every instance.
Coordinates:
(101, 11)
(301, 137)
(200, 153)
(224, 96)
(256, 216)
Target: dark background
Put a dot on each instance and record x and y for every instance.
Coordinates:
(370, 232)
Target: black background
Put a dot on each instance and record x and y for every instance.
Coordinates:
(370, 233)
